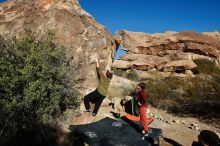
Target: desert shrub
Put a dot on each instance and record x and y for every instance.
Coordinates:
(189, 95)
(132, 75)
(118, 72)
(129, 74)
(34, 83)
(203, 91)
(205, 66)
(162, 90)
(156, 93)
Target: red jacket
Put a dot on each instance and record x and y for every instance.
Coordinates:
(142, 98)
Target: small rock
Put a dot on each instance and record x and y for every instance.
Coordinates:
(148, 111)
(197, 128)
(195, 125)
(190, 127)
(151, 114)
(183, 122)
(168, 122)
(218, 134)
(189, 72)
(177, 121)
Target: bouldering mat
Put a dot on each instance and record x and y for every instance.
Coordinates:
(109, 132)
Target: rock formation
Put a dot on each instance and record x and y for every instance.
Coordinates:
(167, 52)
(84, 38)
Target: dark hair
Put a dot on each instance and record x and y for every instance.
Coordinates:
(209, 138)
(142, 85)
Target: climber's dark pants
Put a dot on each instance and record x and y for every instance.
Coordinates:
(93, 97)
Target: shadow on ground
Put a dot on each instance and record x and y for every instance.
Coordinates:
(172, 142)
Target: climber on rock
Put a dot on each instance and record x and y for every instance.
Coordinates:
(100, 92)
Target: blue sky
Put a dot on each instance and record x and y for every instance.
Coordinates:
(154, 16)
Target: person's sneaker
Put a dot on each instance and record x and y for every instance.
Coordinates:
(93, 114)
(145, 135)
(144, 132)
(86, 110)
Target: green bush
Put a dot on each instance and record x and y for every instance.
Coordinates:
(118, 72)
(189, 95)
(162, 90)
(205, 66)
(129, 74)
(132, 75)
(34, 83)
(203, 91)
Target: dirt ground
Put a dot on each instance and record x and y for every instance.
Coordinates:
(177, 131)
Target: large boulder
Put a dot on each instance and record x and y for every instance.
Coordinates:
(214, 34)
(162, 44)
(150, 61)
(179, 66)
(74, 28)
(169, 51)
(140, 64)
(121, 64)
(156, 75)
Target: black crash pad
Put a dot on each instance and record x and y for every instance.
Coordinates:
(109, 132)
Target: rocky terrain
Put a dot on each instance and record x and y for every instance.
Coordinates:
(167, 52)
(74, 28)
